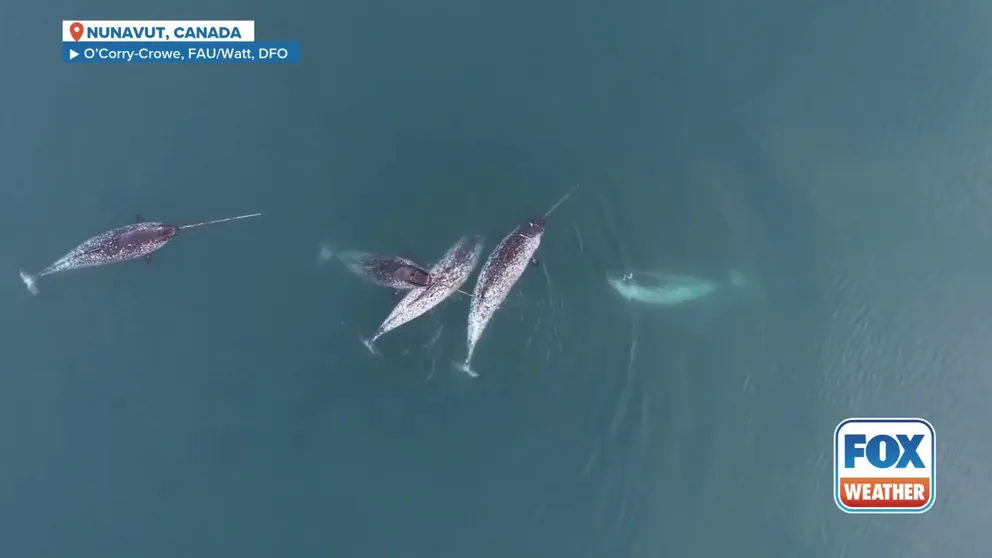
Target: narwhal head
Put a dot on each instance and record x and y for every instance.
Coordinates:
(622, 281)
(166, 232)
(161, 233)
(413, 275)
(150, 234)
(534, 228)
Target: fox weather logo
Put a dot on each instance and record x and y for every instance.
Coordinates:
(884, 465)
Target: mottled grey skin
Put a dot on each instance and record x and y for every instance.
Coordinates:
(448, 275)
(386, 271)
(505, 265)
(130, 242)
(119, 245)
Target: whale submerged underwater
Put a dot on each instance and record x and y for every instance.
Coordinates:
(669, 289)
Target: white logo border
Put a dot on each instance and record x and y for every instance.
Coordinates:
(933, 468)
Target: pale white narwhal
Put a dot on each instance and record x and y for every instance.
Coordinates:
(669, 289)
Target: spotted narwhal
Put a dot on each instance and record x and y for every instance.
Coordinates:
(386, 271)
(130, 242)
(502, 269)
(447, 276)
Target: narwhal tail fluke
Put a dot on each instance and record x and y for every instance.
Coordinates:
(370, 345)
(465, 367)
(326, 253)
(30, 281)
(737, 279)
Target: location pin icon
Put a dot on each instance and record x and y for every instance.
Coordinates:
(76, 30)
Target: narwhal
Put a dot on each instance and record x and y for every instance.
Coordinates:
(386, 271)
(502, 269)
(668, 289)
(447, 276)
(130, 242)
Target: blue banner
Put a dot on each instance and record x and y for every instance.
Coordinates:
(181, 52)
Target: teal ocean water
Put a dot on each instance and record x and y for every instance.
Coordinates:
(218, 401)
